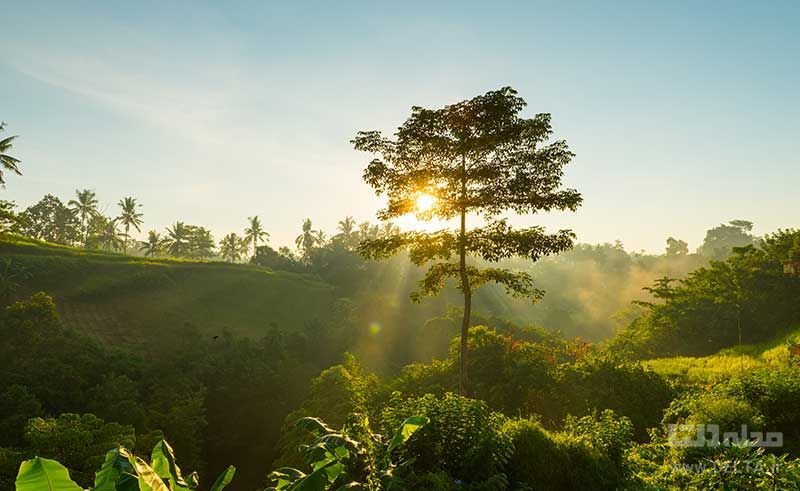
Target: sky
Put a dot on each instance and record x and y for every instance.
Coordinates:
(683, 115)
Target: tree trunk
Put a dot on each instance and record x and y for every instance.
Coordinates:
(463, 379)
(125, 242)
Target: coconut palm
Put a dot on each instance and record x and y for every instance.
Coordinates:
(232, 247)
(154, 244)
(254, 233)
(177, 239)
(347, 233)
(106, 234)
(309, 239)
(129, 217)
(84, 207)
(7, 162)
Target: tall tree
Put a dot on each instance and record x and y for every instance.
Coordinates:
(476, 157)
(307, 240)
(104, 233)
(177, 239)
(85, 207)
(154, 244)
(677, 247)
(201, 242)
(720, 241)
(231, 247)
(50, 220)
(129, 217)
(254, 233)
(347, 236)
(7, 162)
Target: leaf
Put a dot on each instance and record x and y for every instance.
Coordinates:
(314, 425)
(319, 479)
(114, 475)
(408, 428)
(224, 479)
(148, 479)
(40, 474)
(162, 460)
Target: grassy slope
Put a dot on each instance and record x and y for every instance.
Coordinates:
(730, 361)
(124, 299)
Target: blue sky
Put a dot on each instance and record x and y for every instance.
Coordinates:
(682, 114)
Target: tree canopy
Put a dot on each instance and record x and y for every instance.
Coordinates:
(478, 157)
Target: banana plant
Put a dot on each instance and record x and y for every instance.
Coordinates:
(121, 471)
(352, 458)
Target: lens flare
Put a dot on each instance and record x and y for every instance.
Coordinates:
(425, 202)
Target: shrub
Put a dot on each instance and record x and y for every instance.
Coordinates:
(463, 439)
(542, 460)
(627, 388)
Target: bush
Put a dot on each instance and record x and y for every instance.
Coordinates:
(542, 460)
(602, 382)
(464, 438)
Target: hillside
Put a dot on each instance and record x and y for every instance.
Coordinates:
(727, 362)
(123, 299)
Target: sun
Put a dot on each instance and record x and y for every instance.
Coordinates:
(425, 202)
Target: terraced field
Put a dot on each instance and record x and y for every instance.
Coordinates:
(125, 300)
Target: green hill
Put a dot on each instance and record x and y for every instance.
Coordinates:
(727, 362)
(124, 300)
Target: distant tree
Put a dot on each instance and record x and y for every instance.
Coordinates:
(177, 239)
(368, 231)
(389, 229)
(85, 207)
(129, 217)
(720, 241)
(308, 240)
(280, 260)
(154, 244)
(50, 220)
(104, 234)
(232, 247)
(474, 157)
(9, 220)
(347, 236)
(677, 247)
(7, 162)
(201, 242)
(254, 233)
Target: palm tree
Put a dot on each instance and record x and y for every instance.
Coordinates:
(306, 241)
(7, 162)
(129, 217)
(107, 235)
(84, 207)
(347, 232)
(154, 244)
(254, 233)
(231, 247)
(177, 239)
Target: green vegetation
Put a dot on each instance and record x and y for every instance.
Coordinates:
(124, 299)
(120, 470)
(476, 157)
(311, 362)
